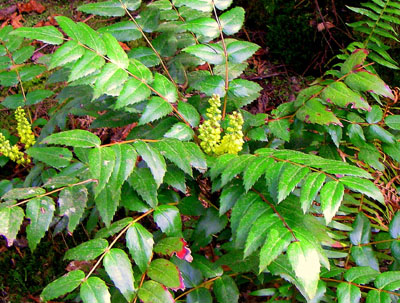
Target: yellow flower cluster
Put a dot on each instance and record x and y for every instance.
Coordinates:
(12, 152)
(24, 128)
(210, 131)
(26, 137)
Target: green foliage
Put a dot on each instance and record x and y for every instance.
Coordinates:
(288, 205)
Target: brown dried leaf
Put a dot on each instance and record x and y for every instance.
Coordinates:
(31, 6)
(16, 20)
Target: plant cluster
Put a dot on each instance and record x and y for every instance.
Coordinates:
(285, 201)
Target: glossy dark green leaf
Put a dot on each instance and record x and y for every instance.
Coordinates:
(363, 186)
(119, 269)
(72, 203)
(226, 290)
(200, 295)
(355, 60)
(74, 138)
(37, 96)
(376, 296)
(180, 131)
(291, 176)
(239, 51)
(348, 293)
(86, 251)
(123, 31)
(393, 122)
(88, 64)
(23, 54)
(40, 213)
(46, 34)
(389, 280)
(394, 226)
(314, 112)
(364, 81)
(63, 285)
(232, 20)
(140, 244)
(168, 219)
(278, 240)
(10, 221)
(165, 87)
(211, 53)
(207, 268)
(68, 52)
(189, 112)
(101, 165)
(364, 256)
(166, 273)
(94, 290)
(331, 199)
(361, 230)
(143, 182)
(154, 292)
(23, 193)
(145, 55)
(115, 52)
(339, 94)
(312, 184)
(254, 170)
(54, 156)
(361, 275)
(155, 109)
(175, 151)
(107, 201)
(280, 128)
(134, 91)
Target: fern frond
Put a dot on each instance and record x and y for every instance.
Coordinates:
(379, 27)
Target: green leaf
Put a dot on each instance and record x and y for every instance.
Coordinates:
(94, 290)
(236, 166)
(222, 4)
(244, 88)
(46, 34)
(165, 272)
(140, 244)
(375, 115)
(155, 109)
(134, 91)
(230, 194)
(208, 269)
(361, 275)
(23, 54)
(291, 176)
(210, 85)
(189, 112)
(198, 159)
(304, 259)
(54, 156)
(91, 38)
(393, 121)
(312, 184)
(140, 70)
(37, 96)
(143, 182)
(175, 178)
(87, 251)
(354, 61)
(74, 138)
(376, 296)
(314, 112)
(107, 201)
(361, 230)
(180, 131)
(175, 151)
(119, 268)
(240, 51)
(377, 132)
(203, 26)
(278, 240)
(101, 165)
(27, 73)
(68, 52)
(10, 221)
(68, 26)
(113, 8)
(280, 128)
(364, 81)
(331, 199)
(254, 170)
(63, 285)
(153, 159)
(40, 212)
(23, 193)
(363, 186)
(86, 65)
(72, 203)
(348, 293)
(145, 55)
(200, 295)
(13, 101)
(225, 290)
(232, 20)
(125, 161)
(211, 53)
(389, 280)
(153, 292)
(165, 87)
(394, 226)
(115, 52)
(110, 80)
(338, 93)
(122, 31)
(168, 219)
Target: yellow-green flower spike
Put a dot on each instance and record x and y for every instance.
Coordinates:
(12, 152)
(24, 128)
(210, 131)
